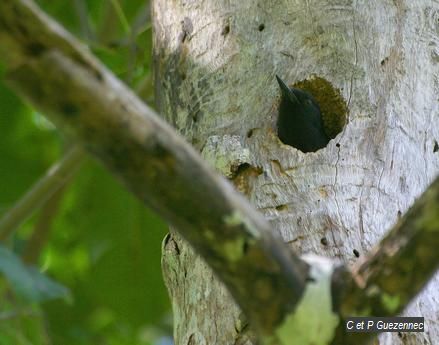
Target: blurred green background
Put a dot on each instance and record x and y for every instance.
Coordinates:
(102, 244)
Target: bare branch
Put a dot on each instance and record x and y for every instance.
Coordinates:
(398, 268)
(394, 272)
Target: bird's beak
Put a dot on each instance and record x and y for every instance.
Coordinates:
(286, 91)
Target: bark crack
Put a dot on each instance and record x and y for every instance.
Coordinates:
(355, 62)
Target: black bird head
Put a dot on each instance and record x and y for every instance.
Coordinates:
(300, 121)
(286, 91)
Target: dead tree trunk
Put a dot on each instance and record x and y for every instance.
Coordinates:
(215, 68)
(319, 202)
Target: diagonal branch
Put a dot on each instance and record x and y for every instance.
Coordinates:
(398, 268)
(60, 77)
(395, 271)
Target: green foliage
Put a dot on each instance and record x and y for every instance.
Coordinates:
(117, 31)
(103, 245)
(111, 246)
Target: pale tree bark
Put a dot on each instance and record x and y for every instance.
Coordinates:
(215, 82)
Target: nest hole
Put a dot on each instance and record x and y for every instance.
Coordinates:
(333, 109)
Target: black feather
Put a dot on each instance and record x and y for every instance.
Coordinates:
(300, 121)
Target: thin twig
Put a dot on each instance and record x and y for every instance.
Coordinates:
(55, 177)
(12, 314)
(41, 230)
(84, 23)
(121, 15)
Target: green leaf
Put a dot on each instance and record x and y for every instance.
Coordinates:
(28, 282)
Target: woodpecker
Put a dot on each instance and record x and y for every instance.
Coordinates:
(300, 121)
